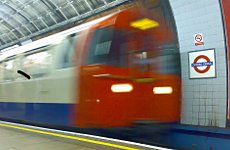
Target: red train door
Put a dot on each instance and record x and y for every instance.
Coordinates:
(106, 85)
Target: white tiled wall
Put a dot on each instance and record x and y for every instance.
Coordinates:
(204, 101)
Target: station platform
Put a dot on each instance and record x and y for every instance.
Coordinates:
(23, 137)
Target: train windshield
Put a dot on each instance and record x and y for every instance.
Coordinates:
(100, 49)
(130, 48)
(111, 46)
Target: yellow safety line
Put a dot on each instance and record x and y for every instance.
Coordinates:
(70, 137)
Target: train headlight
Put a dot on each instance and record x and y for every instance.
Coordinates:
(121, 88)
(163, 90)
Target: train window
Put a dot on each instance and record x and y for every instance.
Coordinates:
(112, 46)
(145, 54)
(67, 52)
(100, 49)
(1, 72)
(38, 64)
(129, 48)
(8, 70)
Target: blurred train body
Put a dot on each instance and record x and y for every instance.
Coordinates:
(108, 73)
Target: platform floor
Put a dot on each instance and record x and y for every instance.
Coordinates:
(14, 137)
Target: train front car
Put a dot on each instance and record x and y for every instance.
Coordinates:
(129, 72)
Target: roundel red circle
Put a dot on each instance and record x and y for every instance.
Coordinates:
(207, 67)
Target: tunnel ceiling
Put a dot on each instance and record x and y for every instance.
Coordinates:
(21, 20)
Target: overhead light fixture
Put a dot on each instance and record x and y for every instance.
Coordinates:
(144, 24)
(121, 88)
(163, 90)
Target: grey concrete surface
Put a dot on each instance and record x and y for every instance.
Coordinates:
(15, 139)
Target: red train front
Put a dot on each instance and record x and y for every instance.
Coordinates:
(128, 72)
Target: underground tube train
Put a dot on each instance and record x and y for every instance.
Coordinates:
(107, 73)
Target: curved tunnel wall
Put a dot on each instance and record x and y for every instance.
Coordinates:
(204, 101)
(226, 12)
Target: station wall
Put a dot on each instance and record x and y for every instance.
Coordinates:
(204, 101)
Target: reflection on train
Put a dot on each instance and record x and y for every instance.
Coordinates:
(110, 72)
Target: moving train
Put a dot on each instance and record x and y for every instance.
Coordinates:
(107, 73)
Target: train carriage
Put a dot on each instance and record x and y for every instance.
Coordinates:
(107, 73)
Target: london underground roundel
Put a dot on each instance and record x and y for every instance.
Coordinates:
(202, 64)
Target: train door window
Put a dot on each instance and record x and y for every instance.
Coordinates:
(38, 64)
(138, 50)
(146, 55)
